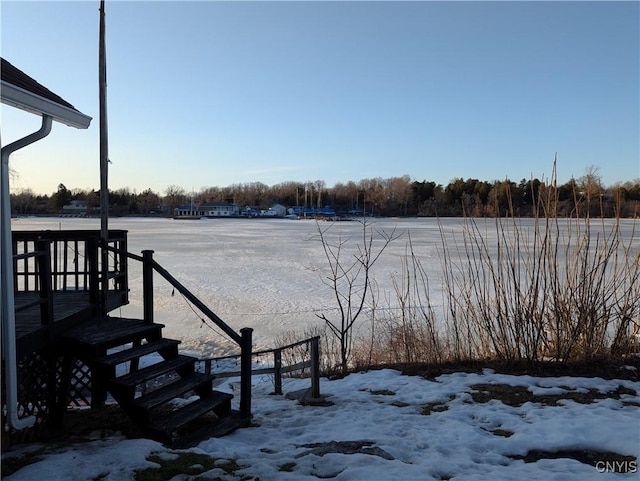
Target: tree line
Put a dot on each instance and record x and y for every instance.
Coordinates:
(395, 196)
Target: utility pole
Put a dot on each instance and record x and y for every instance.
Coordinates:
(104, 160)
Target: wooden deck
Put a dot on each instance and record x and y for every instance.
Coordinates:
(65, 285)
(70, 309)
(58, 277)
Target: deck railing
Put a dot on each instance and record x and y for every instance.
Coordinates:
(302, 357)
(42, 262)
(46, 262)
(55, 261)
(242, 339)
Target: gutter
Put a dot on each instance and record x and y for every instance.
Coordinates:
(6, 280)
(30, 102)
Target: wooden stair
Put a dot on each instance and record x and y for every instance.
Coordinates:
(158, 398)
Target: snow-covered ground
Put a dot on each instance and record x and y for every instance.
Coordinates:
(386, 426)
(381, 425)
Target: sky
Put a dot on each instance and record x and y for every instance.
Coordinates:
(378, 428)
(210, 93)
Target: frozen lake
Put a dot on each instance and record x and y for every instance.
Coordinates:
(267, 274)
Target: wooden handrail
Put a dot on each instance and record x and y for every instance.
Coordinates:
(197, 302)
(27, 255)
(57, 235)
(268, 351)
(244, 339)
(278, 369)
(128, 254)
(147, 256)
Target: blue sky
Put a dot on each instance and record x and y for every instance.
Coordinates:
(212, 93)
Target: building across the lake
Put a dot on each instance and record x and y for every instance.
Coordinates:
(209, 209)
(212, 210)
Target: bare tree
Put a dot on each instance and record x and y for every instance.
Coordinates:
(350, 278)
(174, 195)
(24, 201)
(320, 185)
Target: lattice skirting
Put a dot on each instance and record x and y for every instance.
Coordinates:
(42, 389)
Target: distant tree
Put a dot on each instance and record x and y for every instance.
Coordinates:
(174, 196)
(374, 195)
(481, 191)
(590, 183)
(467, 196)
(286, 193)
(398, 195)
(567, 191)
(528, 195)
(319, 186)
(148, 201)
(347, 196)
(626, 198)
(501, 198)
(24, 202)
(423, 191)
(60, 198)
(591, 192)
(424, 197)
(454, 191)
(392, 196)
(93, 199)
(633, 190)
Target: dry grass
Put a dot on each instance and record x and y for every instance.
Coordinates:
(561, 289)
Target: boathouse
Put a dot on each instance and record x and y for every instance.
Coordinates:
(208, 209)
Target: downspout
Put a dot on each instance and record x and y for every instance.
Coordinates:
(6, 281)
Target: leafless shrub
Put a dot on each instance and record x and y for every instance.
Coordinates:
(349, 278)
(560, 288)
(567, 289)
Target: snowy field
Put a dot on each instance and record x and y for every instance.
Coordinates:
(381, 425)
(267, 274)
(384, 426)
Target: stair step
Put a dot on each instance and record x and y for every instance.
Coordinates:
(109, 332)
(153, 411)
(173, 390)
(170, 425)
(131, 380)
(137, 352)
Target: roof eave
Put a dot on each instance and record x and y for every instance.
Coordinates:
(25, 100)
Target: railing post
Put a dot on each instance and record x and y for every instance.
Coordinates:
(315, 367)
(245, 372)
(104, 277)
(277, 370)
(44, 274)
(124, 268)
(147, 285)
(94, 277)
